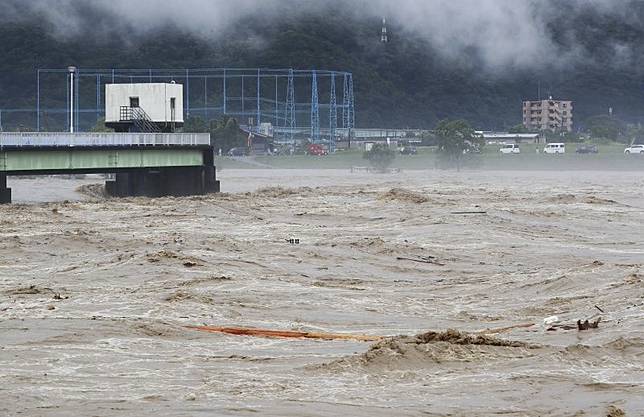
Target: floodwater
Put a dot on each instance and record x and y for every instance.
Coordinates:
(95, 296)
(41, 189)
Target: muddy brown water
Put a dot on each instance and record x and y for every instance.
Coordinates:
(95, 294)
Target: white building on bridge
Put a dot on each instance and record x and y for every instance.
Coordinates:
(155, 105)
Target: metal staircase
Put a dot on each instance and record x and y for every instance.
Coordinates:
(141, 121)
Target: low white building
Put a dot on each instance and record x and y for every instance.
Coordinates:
(496, 138)
(160, 104)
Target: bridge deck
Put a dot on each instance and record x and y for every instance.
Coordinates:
(97, 140)
(99, 152)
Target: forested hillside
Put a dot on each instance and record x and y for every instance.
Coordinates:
(405, 83)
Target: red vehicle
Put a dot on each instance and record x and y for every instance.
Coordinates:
(317, 150)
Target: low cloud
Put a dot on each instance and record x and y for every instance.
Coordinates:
(500, 34)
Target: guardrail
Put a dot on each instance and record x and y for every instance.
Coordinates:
(63, 139)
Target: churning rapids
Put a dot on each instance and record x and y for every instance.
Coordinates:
(95, 296)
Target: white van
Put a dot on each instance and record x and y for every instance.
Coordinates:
(555, 148)
(510, 148)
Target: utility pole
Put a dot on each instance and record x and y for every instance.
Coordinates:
(72, 72)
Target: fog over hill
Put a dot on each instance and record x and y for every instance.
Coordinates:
(446, 58)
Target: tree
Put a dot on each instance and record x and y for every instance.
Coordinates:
(518, 129)
(225, 134)
(457, 141)
(428, 139)
(634, 134)
(606, 127)
(100, 126)
(380, 156)
(195, 124)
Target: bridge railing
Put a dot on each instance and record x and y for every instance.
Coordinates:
(63, 139)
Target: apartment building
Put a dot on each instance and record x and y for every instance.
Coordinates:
(554, 115)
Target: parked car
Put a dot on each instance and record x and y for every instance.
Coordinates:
(237, 152)
(554, 148)
(408, 150)
(634, 149)
(317, 150)
(510, 148)
(284, 150)
(587, 149)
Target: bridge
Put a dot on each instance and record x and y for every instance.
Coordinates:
(144, 164)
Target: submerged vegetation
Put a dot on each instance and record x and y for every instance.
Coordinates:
(457, 143)
(380, 156)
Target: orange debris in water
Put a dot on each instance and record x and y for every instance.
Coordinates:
(293, 334)
(285, 334)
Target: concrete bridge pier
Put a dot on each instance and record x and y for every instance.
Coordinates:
(183, 181)
(211, 183)
(159, 182)
(135, 183)
(5, 193)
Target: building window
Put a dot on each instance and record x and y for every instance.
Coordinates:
(134, 102)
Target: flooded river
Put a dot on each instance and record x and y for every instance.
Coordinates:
(95, 296)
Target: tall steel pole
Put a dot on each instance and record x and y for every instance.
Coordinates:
(72, 71)
(187, 92)
(37, 103)
(205, 97)
(275, 118)
(315, 110)
(290, 116)
(333, 113)
(77, 100)
(98, 97)
(225, 91)
(352, 107)
(259, 111)
(345, 102)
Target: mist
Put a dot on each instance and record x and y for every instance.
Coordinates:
(499, 34)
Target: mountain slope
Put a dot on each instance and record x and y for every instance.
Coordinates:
(405, 83)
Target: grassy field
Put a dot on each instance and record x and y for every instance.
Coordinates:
(610, 157)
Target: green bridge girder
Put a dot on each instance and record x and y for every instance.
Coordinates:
(25, 160)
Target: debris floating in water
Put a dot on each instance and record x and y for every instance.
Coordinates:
(506, 329)
(588, 325)
(294, 334)
(422, 259)
(285, 334)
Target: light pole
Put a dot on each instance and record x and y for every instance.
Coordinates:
(72, 72)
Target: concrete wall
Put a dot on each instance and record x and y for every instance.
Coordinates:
(154, 98)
